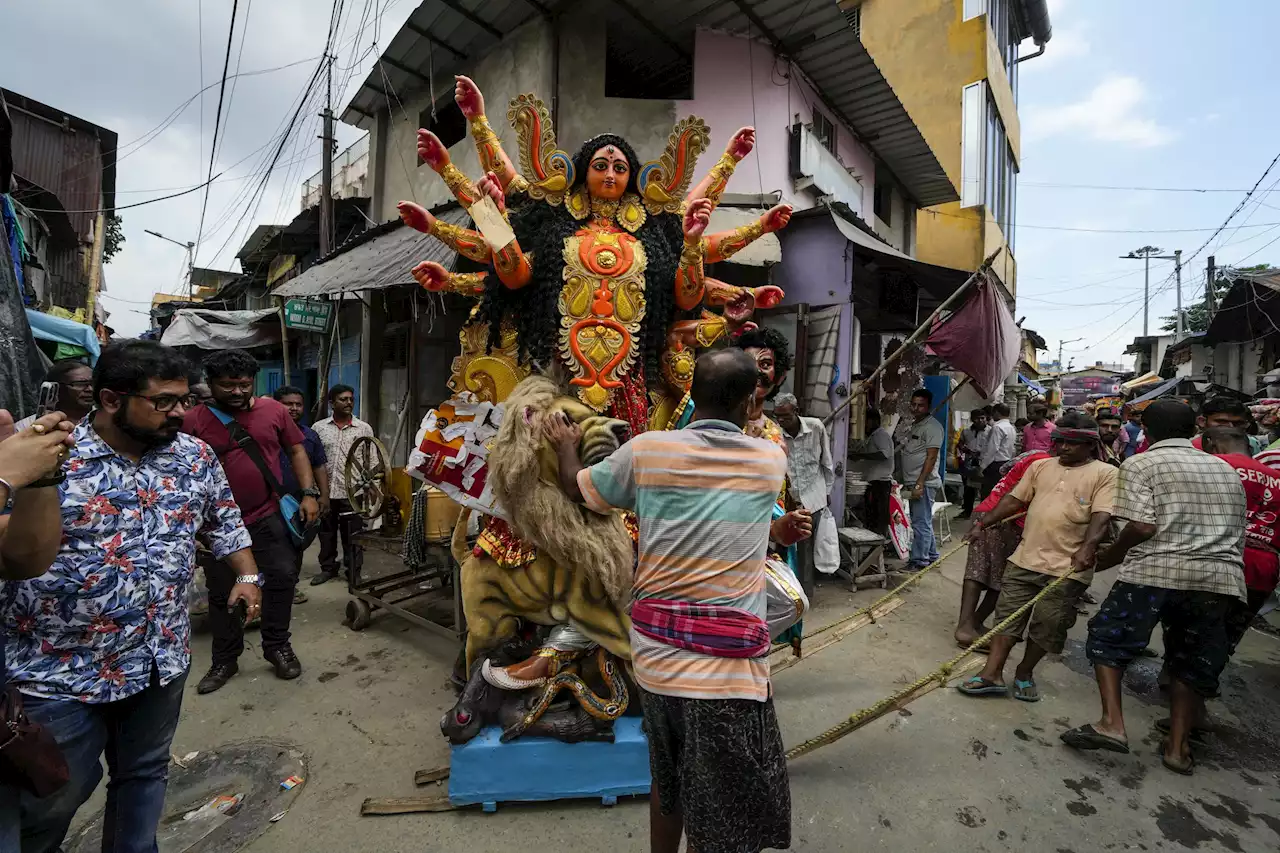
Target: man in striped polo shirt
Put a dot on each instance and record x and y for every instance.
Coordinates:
(704, 498)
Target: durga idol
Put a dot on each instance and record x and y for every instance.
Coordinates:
(605, 273)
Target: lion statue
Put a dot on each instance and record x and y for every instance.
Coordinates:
(582, 573)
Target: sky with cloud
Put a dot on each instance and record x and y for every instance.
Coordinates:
(1167, 95)
(1137, 93)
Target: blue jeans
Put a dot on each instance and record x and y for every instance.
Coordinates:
(135, 734)
(924, 548)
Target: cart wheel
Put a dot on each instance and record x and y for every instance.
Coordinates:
(359, 614)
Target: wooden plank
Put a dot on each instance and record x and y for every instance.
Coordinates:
(426, 777)
(833, 637)
(405, 805)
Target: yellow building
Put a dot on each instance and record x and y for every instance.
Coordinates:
(954, 65)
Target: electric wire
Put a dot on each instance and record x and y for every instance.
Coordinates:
(217, 123)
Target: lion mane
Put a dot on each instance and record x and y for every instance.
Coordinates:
(597, 546)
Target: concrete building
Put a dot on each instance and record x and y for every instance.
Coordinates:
(833, 140)
(954, 65)
(64, 172)
(350, 175)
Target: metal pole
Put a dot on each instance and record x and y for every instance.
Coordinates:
(326, 171)
(1146, 290)
(284, 343)
(1209, 276)
(1177, 270)
(915, 336)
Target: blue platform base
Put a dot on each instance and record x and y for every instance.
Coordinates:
(487, 771)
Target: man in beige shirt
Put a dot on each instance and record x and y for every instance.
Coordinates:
(1068, 503)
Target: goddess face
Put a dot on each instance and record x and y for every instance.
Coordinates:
(608, 174)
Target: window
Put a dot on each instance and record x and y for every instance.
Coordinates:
(1000, 174)
(825, 131)
(449, 124)
(989, 175)
(974, 99)
(853, 16)
(640, 64)
(882, 202)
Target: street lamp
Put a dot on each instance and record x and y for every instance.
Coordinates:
(190, 247)
(1145, 254)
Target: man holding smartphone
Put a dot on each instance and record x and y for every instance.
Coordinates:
(99, 645)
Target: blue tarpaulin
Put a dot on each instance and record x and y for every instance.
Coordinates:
(1158, 391)
(46, 327)
(1034, 386)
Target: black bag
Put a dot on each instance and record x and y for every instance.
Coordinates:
(29, 756)
(302, 533)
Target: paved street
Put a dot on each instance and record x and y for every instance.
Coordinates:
(950, 773)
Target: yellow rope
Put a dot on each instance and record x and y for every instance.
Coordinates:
(941, 674)
(869, 610)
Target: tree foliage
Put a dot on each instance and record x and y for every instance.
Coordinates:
(113, 239)
(1195, 318)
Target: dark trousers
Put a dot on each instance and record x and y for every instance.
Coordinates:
(279, 563)
(875, 506)
(135, 735)
(341, 522)
(990, 478)
(970, 497)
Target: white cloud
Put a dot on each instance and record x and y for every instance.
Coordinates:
(1111, 112)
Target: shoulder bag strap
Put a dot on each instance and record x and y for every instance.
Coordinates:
(242, 439)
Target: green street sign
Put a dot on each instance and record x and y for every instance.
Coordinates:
(307, 315)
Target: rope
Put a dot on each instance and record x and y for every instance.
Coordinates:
(869, 610)
(941, 675)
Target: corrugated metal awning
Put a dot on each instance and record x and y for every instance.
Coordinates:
(442, 36)
(940, 282)
(376, 260)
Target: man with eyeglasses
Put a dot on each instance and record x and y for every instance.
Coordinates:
(230, 374)
(99, 645)
(75, 391)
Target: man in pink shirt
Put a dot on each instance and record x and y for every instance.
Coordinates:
(1038, 435)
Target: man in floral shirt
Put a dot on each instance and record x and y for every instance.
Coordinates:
(100, 644)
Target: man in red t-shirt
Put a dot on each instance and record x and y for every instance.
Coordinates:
(230, 374)
(1261, 527)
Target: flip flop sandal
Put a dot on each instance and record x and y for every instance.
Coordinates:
(1198, 733)
(1181, 769)
(1025, 691)
(979, 686)
(1087, 737)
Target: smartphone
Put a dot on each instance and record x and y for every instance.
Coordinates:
(47, 401)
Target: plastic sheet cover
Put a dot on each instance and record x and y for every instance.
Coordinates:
(21, 368)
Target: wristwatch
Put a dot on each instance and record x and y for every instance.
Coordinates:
(253, 579)
(311, 493)
(9, 491)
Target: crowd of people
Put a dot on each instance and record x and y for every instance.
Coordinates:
(1176, 500)
(150, 469)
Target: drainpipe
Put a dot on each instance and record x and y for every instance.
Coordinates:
(1030, 55)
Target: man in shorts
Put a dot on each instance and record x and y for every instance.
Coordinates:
(704, 498)
(1067, 500)
(1181, 558)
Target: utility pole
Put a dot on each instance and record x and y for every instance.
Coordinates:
(1176, 257)
(326, 167)
(1209, 281)
(1177, 269)
(191, 258)
(1145, 254)
(1062, 368)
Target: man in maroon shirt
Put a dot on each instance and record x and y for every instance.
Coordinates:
(230, 374)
